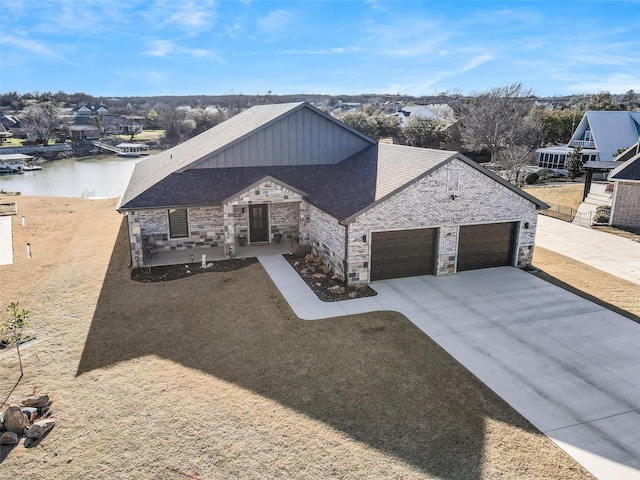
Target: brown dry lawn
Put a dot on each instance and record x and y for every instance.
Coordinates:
(214, 377)
(569, 195)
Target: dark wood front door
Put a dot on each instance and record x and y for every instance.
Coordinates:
(258, 223)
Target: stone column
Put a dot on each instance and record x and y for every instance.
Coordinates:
(229, 231)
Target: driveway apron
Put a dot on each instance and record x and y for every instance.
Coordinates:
(569, 366)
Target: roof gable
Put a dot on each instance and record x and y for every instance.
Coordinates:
(610, 130)
(630, 169)
(248, 140)
(422, 162)
(295, 193)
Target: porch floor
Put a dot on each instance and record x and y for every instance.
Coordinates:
(177, 257)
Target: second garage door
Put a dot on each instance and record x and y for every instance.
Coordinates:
(403, 253)
(486, 245)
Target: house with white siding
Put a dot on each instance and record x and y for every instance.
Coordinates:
(599, 135)
(371, 210)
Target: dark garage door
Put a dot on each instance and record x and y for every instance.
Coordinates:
(402, 253)
(487, 245)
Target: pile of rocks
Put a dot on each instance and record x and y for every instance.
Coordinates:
(29, 420)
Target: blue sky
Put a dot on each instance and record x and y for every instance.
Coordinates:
(209, 47)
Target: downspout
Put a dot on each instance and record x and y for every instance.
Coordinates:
(613, 201)
(346, 254)
(126, 216)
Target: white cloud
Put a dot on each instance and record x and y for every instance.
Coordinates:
(167, 48)
(31, 47)
(275, 21)
(327, 51)
(613, 83)
(419, 87)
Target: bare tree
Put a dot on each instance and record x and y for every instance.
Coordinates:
(41, 121)
(513, 159)
(495, 120)
(12, 328)
(235, 102)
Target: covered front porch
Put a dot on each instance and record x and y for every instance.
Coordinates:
(194, 255)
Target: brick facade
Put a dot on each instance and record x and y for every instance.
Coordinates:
(454, 195)
(626, 211)
(326, 237)
(220, 225)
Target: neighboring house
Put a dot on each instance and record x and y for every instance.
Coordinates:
(4, 134)
(9, 121)
(371, 210)
(110, 123)
(90, 109)
(84, 132)
(625, 207)
(599, 134)
(414, 111)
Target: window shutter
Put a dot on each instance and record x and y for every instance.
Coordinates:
(178, 223)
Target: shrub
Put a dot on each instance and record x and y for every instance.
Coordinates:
(603, 212)
(531, 178)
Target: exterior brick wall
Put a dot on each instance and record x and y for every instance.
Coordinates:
(626, 212)
(284, 207)
(428, 203)
(326, 237)
(206, 229)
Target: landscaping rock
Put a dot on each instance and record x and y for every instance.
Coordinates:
(14, 420)
(9, 438)
(30, 412)
(40, 428)
(337, 289)
(37, 401)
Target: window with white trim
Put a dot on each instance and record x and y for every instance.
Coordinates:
(178, 223)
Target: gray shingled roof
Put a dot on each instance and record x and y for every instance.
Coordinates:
(157, 167)
(629, 170)
(343, 190)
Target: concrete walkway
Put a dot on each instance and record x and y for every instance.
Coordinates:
(567, 365)
(610, 253)
(6, 240)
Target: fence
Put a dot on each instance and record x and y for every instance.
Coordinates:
(560, 212)
(569, 214)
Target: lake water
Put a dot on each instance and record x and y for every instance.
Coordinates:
(73, 177)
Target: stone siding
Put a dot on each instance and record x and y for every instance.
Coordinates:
(626, 212)
(453, 195)
(326, 237)
(206, 229)
(284, 212)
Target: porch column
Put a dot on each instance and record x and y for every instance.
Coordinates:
(229, 231)
(587, 183)
(304, 223)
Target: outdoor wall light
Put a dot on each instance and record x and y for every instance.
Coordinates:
(191, 258)
(364, 239)
(242, 209)
(526, 225)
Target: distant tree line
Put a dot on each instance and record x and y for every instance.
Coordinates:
(508, 123)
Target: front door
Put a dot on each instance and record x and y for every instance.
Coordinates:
(258, 223)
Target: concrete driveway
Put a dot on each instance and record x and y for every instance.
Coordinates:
(610, 253)
(569, 366)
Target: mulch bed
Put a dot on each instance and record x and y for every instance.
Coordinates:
(320, 283)
(311, 273)
(174, 272)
